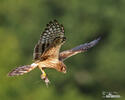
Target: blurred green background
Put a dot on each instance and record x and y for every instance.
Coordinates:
(102, 68)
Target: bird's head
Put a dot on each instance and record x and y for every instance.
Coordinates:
(62, 67)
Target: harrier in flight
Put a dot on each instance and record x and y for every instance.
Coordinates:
(46, 52)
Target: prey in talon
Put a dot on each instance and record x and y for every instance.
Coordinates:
(47, 51)
(44, 77)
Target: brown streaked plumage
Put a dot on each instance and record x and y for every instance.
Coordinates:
(46, 52)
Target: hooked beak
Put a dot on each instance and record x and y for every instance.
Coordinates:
(64, 72)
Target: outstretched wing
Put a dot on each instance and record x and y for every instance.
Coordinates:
(52, 31)
(22, 70)
(81, 48)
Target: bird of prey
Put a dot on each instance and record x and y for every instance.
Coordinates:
(47, 51)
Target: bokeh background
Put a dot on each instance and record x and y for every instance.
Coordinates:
(102, 68)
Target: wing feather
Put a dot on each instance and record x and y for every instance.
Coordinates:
(52, 31)
(81, 48)
(22, 70)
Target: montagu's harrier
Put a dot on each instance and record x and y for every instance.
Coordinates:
(46, 52)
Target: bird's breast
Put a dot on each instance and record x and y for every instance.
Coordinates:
(50, 63)
(54, 61)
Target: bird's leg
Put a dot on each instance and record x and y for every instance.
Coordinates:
(44, 77)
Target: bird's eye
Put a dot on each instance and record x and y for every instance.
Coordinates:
(61, 68)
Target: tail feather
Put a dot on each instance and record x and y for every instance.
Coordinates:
(22, 70)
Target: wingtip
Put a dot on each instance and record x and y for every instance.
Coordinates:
(94, 42)
(55, 20)
(99, 38)
(10, 74)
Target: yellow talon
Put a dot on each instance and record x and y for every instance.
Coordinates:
(43, 76)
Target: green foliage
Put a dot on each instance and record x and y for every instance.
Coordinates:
(100, 69)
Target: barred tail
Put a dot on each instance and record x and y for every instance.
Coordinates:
(22, 70)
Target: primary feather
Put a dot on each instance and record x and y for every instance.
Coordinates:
(78, 49)
(22, 70)
(51, 32)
